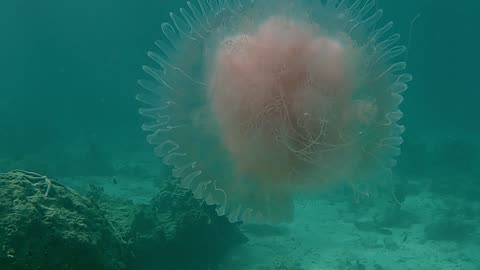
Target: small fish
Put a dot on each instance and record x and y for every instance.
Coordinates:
(114, 180)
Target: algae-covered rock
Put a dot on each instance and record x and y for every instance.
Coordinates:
(44, 225)
(173, 231)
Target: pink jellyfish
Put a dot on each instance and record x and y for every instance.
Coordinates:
(255, 101)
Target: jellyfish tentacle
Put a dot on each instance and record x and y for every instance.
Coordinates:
(391, 53)
(157, 75)
(387, 43)
(182, 26)
(367, 7)
(202, 26)
(368, 22)
(170, 34)
(353, 9)
(400, 84)
(396, 67)
(165, 50)
(377, 34)
(152, 88)
(196, 27)
(166, 66)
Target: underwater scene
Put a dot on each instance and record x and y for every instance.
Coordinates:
(239, 135)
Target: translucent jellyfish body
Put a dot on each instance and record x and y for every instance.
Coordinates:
(254, 101)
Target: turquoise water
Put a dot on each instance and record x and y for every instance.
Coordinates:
(68, 75)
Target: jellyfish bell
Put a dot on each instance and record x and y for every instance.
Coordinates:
(252, 102)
